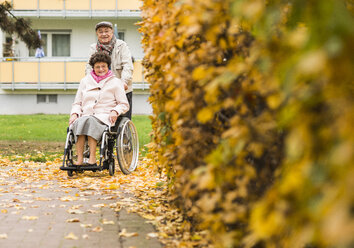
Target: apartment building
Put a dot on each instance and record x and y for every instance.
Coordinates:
(48, 85)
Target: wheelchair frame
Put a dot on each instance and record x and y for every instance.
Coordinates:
(123, 138)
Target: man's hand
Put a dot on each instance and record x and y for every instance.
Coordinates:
(113, 116)
(73, 117)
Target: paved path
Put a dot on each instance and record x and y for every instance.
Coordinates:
(44, 212)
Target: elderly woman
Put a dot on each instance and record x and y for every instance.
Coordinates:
(99, 100)
(118, 50)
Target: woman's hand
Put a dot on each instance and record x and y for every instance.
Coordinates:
(73, 117)
(113, 116)
(125, 86)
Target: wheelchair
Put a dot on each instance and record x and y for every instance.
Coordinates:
(119, 144)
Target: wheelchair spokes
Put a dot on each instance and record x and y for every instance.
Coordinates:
(127, 146)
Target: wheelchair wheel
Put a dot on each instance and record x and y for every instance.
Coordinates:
(127, 146)
(111, 167)
(68, 152)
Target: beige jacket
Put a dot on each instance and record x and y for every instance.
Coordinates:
(122, 64)
(99, 99)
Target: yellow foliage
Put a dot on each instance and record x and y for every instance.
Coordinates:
(253, 117)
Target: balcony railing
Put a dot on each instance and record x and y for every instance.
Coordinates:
(76, 8)
(52, 74)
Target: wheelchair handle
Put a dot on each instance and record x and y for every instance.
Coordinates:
(110, 129)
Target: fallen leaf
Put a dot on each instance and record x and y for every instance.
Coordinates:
(73, 220)
(86, 225)
(125, 234)
(3, 236)
(109, 198)
(25, 217)
(152, 235)
(68, 198)
(85, 236)
(75, 211)
(99, 205)
(97, 229)
(107, 222)
(113, 186)
(90, 211)
(42, 199)
(76, 206)
(148, 216)
(71, 236)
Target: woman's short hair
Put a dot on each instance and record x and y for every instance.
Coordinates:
(100, 57)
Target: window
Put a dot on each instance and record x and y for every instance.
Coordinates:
(53, 98)
(47, 98)
(121, 35)
(55, 43)
(60, 45)
(41, 98)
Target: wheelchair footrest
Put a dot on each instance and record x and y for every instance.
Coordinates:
(81, 168)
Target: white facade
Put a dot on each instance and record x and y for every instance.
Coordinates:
(82, 35)
(26, 103)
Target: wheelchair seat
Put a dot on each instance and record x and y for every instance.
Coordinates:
(119, 144)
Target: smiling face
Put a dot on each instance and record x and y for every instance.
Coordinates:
(100, 68)
(104, 34)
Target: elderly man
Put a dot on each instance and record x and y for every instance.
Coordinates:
(118, 50)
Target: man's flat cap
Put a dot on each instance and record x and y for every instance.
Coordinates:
(103, 24)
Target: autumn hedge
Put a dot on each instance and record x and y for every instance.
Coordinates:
(253, 117)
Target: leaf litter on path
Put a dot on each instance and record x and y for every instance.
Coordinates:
(144, 190)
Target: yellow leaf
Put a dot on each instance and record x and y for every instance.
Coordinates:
(199, 73)
(125, 234)
(25, 217)
(3, 236)
(97, 229)
(152, 235)
(205, 115)
(114, 186)
(107, 222)
(86, 225)
(71, 236)
(73, 220)
(313, 62)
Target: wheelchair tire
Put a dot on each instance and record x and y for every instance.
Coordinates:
(111, 167)
(127, 146)
(70, 173)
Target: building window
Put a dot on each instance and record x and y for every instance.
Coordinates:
(47, 98)
(55, 43)
(60, 45)
(53, 98)
(121, 35)
(41, 98)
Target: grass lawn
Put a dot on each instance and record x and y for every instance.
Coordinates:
(53, 128)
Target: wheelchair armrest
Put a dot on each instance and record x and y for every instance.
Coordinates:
(113, 128)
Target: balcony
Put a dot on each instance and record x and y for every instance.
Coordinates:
(52, 74)
(76, 8)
